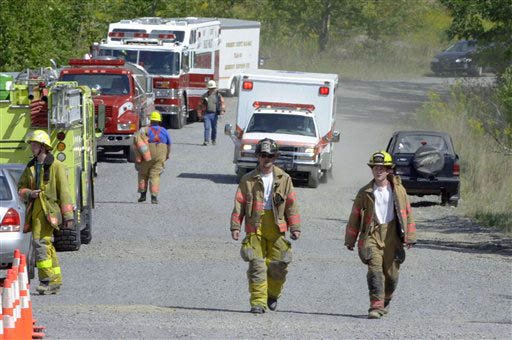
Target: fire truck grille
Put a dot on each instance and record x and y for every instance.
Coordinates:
(287, 149)
(108, 111)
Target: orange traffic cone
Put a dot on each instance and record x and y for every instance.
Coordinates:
(26, 313)
(8, 310)
(1, 313)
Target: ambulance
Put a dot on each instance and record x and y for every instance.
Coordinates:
(298, 111)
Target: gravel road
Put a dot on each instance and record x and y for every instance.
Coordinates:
(171, 270)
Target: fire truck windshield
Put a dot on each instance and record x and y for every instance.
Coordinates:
(282, 123)
(109, 84)
(155, 62)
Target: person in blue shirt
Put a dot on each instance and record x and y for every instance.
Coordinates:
(159, 143)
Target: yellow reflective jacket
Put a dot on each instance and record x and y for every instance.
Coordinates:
(55, 199)
(249, 202)
(362, 218)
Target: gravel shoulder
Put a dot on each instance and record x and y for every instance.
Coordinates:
(172, 271)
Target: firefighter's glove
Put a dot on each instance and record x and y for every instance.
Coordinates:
(68, 224)
(351, 248)
(294, 235)
(235, 234)
(34, 194)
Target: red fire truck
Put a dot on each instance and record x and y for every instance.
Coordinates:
(181, 54)
(125, 89)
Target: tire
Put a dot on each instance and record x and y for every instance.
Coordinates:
(476, 71)
(240, 172)
(323, 177)
(314, 178)
(428, 161)
(129, 154)
(233, 88)
(31, 262)
(86, 233)
(179, 120)
(68, 239)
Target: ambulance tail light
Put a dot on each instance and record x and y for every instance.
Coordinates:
(141, 35)
(116, 34)
(324, 91)
(11, 221)
(247, 85)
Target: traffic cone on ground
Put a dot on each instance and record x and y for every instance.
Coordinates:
(1, 313)
(7, 310)
(26, 311)
(13, 274)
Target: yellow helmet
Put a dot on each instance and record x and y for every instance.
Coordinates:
(39, 136)
(155, 116)
(381, 158)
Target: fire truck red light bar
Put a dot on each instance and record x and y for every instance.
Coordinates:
(324, 91)
(141, 35)
(308, 107)
(116, 34)
(247, 85)
(166, 36)
(96, 62)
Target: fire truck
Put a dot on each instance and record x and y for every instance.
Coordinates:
(126, 91)
(181, 54)
(35, 100)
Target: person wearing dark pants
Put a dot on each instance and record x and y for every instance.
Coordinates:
(212, 104)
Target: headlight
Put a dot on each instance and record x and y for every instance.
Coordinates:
(309, 150)
(128, 106)
(435, 60)
(126, 126)
(463, 60)
(247, 147)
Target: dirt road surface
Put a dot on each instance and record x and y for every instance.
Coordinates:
(172, 271)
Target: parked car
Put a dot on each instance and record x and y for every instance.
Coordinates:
(12, 220)
(460, 58)
(427, 163)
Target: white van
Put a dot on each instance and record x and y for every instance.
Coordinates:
(298, 111)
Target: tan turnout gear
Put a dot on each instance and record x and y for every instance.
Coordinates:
(149, 170)
(46, 213)
(380, 246)
(265, 246)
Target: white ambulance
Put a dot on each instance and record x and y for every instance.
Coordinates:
(298, 111)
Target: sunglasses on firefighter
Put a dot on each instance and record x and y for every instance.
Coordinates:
(266, 155)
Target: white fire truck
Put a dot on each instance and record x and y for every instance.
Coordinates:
(298, 111)
(181, 54)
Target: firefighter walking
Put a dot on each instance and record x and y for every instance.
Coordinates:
(43, 186)
(382, 219)
(154, 148)
(266, 199)
(212, 104)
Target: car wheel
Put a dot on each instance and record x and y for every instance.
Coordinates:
(314, 178)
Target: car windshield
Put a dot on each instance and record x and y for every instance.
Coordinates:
(279, 123)
(155, 62)
(462, 46)
(5, 192)
(411, 143)
(110, 84)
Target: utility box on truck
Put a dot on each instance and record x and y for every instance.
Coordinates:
(298, 111)
(239, 52)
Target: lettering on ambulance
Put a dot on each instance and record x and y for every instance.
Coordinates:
(237, 66)
(246, 43)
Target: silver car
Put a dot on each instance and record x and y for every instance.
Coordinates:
(12, 219)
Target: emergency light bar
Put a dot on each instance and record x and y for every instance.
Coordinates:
(116, 34)
(140, 35)
(167, 36)
(308, 107)
(96, 62)
(143, 35)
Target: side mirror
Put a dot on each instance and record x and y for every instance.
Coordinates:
(336, 136)
(101, 117)
(53, 63)
(228, 129)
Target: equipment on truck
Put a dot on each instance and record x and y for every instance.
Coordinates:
(298, 111)
(65, 110)
(126, 91)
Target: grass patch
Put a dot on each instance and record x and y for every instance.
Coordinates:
(485, 170)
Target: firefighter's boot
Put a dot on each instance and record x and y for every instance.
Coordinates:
(374, 314)
(257, 310)
(45, 288)
(272, 303)
(154, 200)
(142, 197)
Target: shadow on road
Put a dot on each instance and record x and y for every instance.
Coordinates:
(424, 204)
(216, 178)
(204, 309)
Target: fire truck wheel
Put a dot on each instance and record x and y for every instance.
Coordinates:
(314, 178)
(129, 154)
(177, 120)
(323, 177)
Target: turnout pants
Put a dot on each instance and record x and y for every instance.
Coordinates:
(149, 172)
(383, 268)
(268, 254)
(47, 262)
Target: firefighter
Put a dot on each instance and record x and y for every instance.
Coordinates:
(212, 104)
(266, 199)
(43, 186)
(159, 143)
(382, 218)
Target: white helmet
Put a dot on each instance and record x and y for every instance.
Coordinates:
(212, 84)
